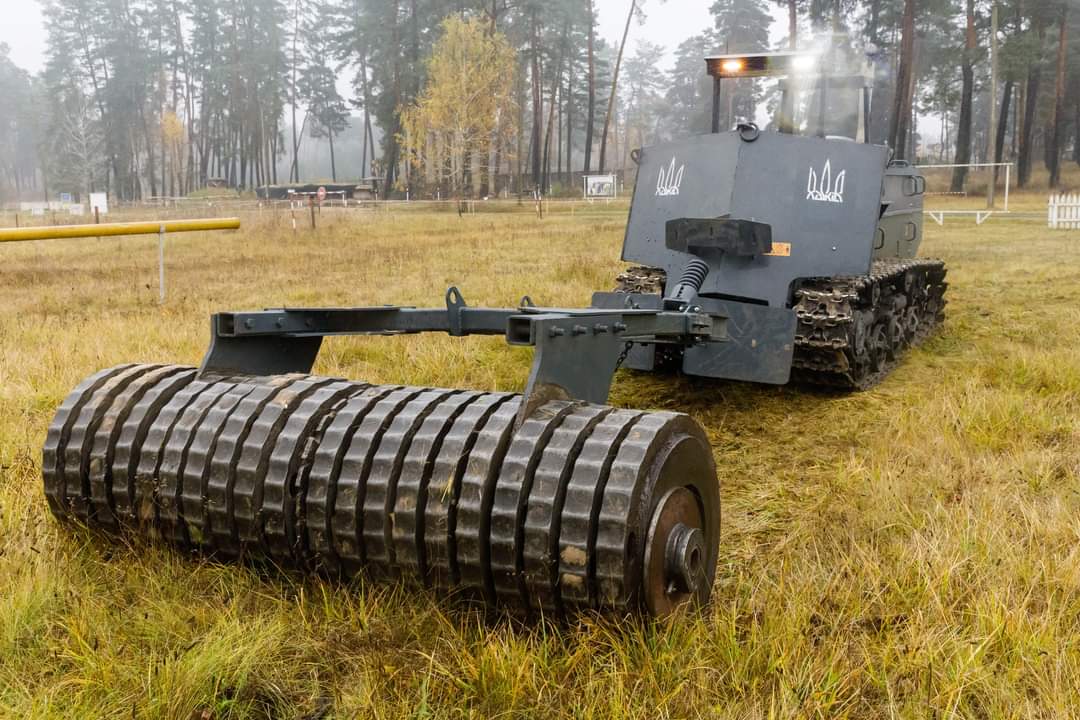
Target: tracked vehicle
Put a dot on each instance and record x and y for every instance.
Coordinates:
(764, 256)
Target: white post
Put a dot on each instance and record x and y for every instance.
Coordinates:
(161, 263)
(1008, 172)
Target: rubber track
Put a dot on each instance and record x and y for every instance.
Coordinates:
(106, 439)
(581, 509)
(472, 527)
(543, 517)
(413, 481)
(348, 519)
(439, 508)
(512, 487)
(382, 479)
(618, 540)
(132, 438)
(280, 481)
(321, 495)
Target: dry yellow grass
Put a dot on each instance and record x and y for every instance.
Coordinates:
(913, 551)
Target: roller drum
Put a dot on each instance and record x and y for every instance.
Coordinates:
(574, 508)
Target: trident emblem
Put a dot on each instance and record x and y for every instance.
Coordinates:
(825, 188)
(669, 180)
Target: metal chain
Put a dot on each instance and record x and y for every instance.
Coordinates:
(623, 354)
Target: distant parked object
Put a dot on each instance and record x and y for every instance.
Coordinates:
(366, 189)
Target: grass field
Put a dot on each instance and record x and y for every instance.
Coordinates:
(913, 551)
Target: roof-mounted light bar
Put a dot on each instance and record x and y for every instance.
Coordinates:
(750, 65)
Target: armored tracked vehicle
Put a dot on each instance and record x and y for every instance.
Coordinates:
(766, 256)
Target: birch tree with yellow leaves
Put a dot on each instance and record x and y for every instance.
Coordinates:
(463, 123)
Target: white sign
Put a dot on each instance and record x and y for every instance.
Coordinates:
(600, 186)
(99, 201)
(669, 180)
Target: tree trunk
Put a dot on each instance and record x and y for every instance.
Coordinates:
(569, 129)
(898, 125)
(1076, 130)
(590, 112)
(365, 169)
(391, 158)
(1031, 102)
(1057, 130)
(538, 114)
(1003, 120)
(559, 140)
(294, 171)
(615, 84)
(333, 165)
(963, 129)
(555, 83)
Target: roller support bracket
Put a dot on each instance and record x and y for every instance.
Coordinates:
(577, 350)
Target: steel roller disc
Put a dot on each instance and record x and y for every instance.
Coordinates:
(298, 551)
(682, 535)
(243, 491)
(170, 471)
(280, 484)
(412, 485)
(348, 519)
(509, 499)
(75, 461)
(195, 476)
(543, 518)
(382, 478)
(663, 451)
(106, 440)
(133, 435)
(439, 507)
(581, 508)
(472, 527)
(52, 454)
(151, 452)
(321, 495)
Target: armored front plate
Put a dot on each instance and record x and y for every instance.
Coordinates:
(761, 341)
(822, 198)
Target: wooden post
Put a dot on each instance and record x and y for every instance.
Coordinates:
(311, 207)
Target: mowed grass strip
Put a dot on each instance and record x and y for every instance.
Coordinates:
(909, 552)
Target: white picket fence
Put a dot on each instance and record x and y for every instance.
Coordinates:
(1063, 212)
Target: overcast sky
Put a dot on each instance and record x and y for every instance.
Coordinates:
(22, 29)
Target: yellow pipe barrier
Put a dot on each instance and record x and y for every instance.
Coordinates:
(58, 232)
